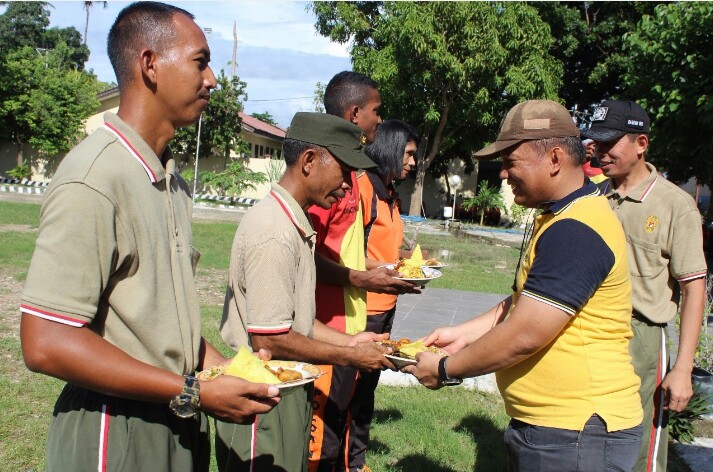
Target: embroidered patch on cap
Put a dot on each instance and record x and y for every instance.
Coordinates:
(635, 123)
(651, 223)
(537, 123)
(600, 113)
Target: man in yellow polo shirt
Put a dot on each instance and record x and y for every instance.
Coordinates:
(559, 343)
(663, 228)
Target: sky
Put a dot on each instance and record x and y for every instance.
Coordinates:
(280, 55)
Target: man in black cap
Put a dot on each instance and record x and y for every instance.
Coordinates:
(270, 299)
(558, 344)
(666, 256)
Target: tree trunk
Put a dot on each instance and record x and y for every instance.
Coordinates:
(422, 165)
(482, 216)
(417, 194)
(20, 152)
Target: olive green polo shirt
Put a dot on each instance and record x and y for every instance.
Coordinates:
(665, 243)
(114, 250)
(272, 273)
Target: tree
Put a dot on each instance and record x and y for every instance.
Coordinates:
(589, 41)
(221, 123)
(265, 117)
(234, 179)
(88, 7)
(44, 93)
(670, 74)
(487, 198)
(452, 69)
(44, 103)
(318, 100)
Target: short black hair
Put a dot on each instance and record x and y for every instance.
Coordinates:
(571, 145)
(293, 149)
(345, 90)
(140, 25)
(387, 150)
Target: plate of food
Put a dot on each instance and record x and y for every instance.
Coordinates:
(434, 264)
(414, 270)
(282, 374)
(405, 351)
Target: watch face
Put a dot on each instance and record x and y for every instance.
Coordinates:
(182, 407)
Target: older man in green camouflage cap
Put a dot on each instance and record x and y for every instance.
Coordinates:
(270, 298)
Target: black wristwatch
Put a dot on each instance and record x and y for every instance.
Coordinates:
(443, 378)
(187, 403)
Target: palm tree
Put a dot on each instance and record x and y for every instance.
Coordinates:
(487, 198)
(88, 6)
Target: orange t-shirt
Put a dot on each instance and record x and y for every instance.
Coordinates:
(383, 232)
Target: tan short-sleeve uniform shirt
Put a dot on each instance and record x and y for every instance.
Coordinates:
(665, 243)
(272, 273)
(114, 251)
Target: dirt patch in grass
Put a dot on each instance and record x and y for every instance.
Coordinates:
(10, 228)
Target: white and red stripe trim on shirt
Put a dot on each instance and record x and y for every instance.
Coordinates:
(131, 150)
(103, 438)
(30, 310)
(271, 329)
(288, 211)
(253, 445)
(692, 276)
(648, 189)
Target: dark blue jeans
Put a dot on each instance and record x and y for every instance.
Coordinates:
(541, 449)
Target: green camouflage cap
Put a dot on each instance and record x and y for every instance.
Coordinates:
(343, 139)
(532, 119)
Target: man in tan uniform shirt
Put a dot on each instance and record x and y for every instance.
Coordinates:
(110, 305)
(663, 228)
(270, 301)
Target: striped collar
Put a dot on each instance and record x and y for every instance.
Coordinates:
(589, 189)
(136, 146)
(293, 210)
(385, 193)
(641, 191)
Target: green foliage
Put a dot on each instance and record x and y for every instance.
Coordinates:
(589, 40)
(275, 169)
(265, 117)
(452, 69)
(318, 99)
(20, 172)
(44, 93)
(235, 179)
(671, 75)
(487, 198)
(680, 424)
(518, 214)
(220, 125)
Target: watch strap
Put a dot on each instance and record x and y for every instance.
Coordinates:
(443, 377)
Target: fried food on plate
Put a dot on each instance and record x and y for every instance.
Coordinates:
(411, 268)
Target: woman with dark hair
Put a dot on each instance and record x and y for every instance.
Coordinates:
(393, 152)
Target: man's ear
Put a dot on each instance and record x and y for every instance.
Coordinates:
(148, 65)
(307, 160)
(556, 157)
(354, 114)
(642, 144)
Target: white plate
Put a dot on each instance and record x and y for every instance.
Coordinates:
(309, 373)
(431, 274)
(400, 362)
(439, 266)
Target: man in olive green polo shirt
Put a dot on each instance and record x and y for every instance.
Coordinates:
(663, 228)
(110, 305)
(270, 301)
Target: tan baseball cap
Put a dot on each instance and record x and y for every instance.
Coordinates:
(533, 119)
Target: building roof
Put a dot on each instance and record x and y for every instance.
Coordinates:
(254, 125)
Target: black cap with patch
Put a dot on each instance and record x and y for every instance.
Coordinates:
(615, 118)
